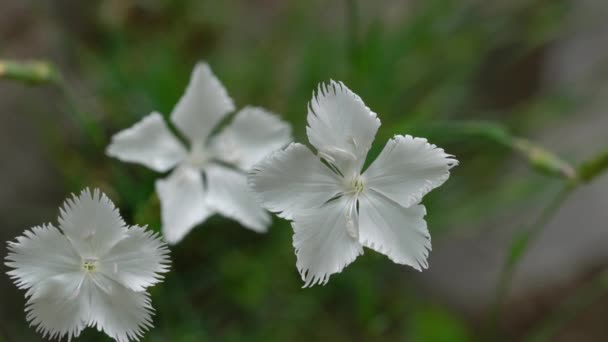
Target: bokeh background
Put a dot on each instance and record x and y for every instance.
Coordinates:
(479, 78)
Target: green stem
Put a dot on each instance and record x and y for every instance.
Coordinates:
(34, 73)
(40, 72)
(585, 173)
(543, 160)
(519, 247)
(594, 167)
(91, 127)
(539, 158)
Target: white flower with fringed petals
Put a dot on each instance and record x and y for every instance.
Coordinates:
(91, 272)
(335, 208)
(208, 178)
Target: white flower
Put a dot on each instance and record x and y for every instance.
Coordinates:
(336, 208)
(201, 184)
(91, 272)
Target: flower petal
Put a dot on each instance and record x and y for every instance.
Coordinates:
(121, 313)
(182, 200)
(202, 106)
(397, 232)
(137, 261)
(408, 168)
(292, 180)
(41, 253)
(252, 135)
(150, 143)
(92, 223)
(340, 126)
(322, 242)
(58, 306)
(230, 196)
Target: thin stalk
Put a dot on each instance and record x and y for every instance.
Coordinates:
(31, 72)
(519, 248)
(585, 173)
(41, 73)
(594, 167)
(90, 126)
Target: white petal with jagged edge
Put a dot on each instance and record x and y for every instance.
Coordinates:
(202, 106)
(252, 135)
(137, 261)
(150, 143)
(42, 253)
(123, 314)
(229, 195)
(408, 168)
(58, 306)
(182, 200)
(340, 126)
(293, 180)
(92, 223)
(322, 242)
(397, 232)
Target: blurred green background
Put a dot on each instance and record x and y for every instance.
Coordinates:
(470, 75)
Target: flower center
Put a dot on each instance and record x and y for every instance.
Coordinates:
(89, 264)
(198, 157)
(355, 185)
(358, 185)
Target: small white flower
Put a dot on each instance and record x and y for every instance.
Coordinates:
(91, 272)
(336, 208)
(201, 184)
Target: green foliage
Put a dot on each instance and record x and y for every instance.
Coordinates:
(435, 324)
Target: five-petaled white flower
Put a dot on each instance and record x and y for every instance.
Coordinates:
(201, 184)
(335, 208)
(91, 272)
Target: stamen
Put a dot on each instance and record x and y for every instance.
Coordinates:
(90, 235)
(355, 185)
(353, 141)
(352, 220)
(326, 156)
(358, 185)
(342, 153)
(89, 265)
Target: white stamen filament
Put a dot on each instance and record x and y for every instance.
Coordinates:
(338, 152)
(352, 220)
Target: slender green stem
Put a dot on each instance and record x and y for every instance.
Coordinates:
(90, 126)
(585, 173)
(40, 72)
(594, 167)
(517, 251)
(543, 160)
(35, 72)
(539, 158)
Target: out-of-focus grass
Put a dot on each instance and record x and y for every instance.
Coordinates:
(432, 61)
